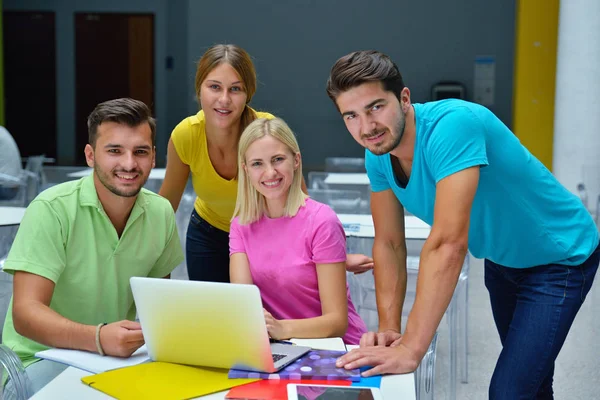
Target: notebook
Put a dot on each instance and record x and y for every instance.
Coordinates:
(93, 362)
(162, 381)
(96, 363)
(317, 364)
(334, 343)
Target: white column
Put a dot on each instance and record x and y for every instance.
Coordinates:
(576, 152)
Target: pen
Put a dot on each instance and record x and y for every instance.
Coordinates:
(280, 341)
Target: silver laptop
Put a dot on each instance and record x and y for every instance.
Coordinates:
(219, 325)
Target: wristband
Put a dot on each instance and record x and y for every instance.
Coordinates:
(98, 345)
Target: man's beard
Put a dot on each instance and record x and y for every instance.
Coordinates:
(103, 178)
(383, 147)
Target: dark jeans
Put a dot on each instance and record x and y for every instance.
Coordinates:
(207, 251)
(534, 309)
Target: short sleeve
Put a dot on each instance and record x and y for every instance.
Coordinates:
(184, 138)
(456, 143)
(236, 242)
(263, 114)
(329, 239)
(375, 172)
(172, 254)
(39, 246)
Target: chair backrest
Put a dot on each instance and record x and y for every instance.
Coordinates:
(35, 167)
(11, 365)
(345, 164)
(318, 180)
(17, 187)
(182, 219)
(14, 370)
(341, 201)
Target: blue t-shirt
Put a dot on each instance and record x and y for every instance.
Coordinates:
(521, 215)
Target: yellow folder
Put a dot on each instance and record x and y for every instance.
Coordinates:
(164, 381)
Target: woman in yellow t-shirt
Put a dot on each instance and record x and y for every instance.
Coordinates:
(206, 145)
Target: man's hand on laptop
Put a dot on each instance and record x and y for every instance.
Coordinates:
(275, 327)
(388, 337)
(121, 338)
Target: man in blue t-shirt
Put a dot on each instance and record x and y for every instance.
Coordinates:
(457, 167)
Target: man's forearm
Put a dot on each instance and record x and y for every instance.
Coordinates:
(390, 284)
(38, 322)
(438, 274)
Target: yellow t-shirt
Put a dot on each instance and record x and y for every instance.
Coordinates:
(216, 196)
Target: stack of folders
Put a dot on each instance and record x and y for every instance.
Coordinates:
(315, 368)
(316, 364)
(274, 389)
(137, 377)
(162, 381)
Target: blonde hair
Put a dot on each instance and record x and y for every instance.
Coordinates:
(241, 63)
(250, 205)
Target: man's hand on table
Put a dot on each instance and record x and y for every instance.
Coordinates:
(384, 360)
(384, 352)
(388, 337)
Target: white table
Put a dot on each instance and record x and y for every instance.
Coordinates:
(342, 178)
(68, 386)
(11, 215)
(155, 173)
(361, 225)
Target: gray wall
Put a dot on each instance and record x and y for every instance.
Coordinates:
(295, 43)
(178, 76)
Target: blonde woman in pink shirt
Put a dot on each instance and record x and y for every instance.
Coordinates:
(290, 246)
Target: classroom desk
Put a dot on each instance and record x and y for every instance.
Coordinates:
(361, 225)
(68, 385)
(155, 173)
(11, 215)
(343, 178)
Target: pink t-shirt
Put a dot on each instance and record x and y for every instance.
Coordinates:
(283, 253)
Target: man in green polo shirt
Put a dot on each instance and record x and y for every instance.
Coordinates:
(81, 241)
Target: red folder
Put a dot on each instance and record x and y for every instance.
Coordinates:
(274, 389)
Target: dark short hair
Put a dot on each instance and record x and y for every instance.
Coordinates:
(126, 111)
(360, 67)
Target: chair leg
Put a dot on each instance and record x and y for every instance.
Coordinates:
(464, 326)
(425, 373)
(451, 314)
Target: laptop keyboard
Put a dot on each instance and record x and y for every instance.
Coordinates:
(277, 357)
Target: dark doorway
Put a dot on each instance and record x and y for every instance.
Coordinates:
(30, 80)
(114, 57)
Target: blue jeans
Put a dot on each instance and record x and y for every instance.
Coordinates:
(207, 251)
(534, 309)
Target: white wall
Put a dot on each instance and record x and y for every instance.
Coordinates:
(577, 104)
(295, 43)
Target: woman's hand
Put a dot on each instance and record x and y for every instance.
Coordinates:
(276, 328)
(358, 263)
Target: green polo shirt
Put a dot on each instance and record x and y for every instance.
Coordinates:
(66, 236)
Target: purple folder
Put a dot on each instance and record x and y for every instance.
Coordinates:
(316, 364)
